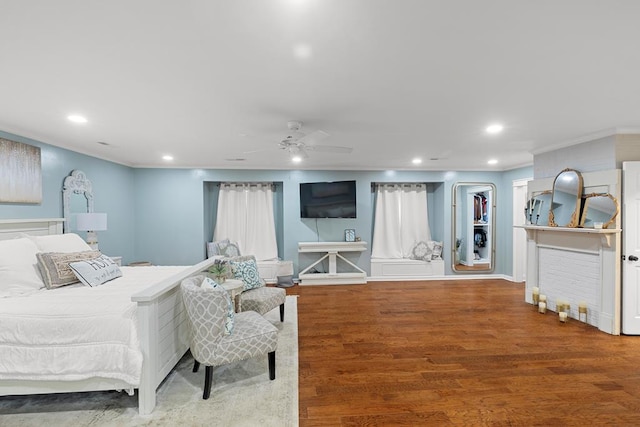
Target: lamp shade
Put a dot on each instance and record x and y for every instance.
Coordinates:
(91, 221)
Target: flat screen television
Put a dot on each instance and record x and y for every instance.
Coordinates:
(335, 199)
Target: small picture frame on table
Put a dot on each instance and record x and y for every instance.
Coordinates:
(349, 235)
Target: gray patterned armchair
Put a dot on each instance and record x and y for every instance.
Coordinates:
(207, 310)
(256, 295)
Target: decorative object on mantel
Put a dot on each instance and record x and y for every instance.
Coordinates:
(538, 203)
(20, 172)
(594, 210)
(599, 210)
(566, 199)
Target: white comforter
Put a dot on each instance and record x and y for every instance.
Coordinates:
(76, 332)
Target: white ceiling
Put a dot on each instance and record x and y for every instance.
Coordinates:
(208, 81)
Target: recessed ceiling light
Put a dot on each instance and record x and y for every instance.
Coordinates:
(102, 143)
(167, 157)
(296, 159)
(492, 162)
(494, 128)
(416, 161)
(75, 118)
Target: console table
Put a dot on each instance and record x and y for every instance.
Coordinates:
(331, 250)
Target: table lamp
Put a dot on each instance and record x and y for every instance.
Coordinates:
(91, 222)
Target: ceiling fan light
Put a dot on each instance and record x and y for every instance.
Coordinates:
(494, 128)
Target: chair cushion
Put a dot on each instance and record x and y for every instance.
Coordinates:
(253, 336)
(262, 300)
(247, 271)
(230, 320)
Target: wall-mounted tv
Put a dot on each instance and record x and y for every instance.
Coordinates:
(328, 199)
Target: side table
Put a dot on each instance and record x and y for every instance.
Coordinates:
(235, 288)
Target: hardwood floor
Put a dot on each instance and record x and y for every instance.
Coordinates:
(465, 353)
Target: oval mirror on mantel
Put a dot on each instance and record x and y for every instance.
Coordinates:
(536, 211)
(566, 199)
(599, 210)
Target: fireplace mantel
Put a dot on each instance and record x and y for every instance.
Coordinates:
(605, 234)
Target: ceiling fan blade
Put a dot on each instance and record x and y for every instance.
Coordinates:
(329, 149)
(261, 150)
(313, 137)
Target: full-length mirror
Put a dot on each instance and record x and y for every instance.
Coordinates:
(77, 197)
(566, 199)
(473, 227)
(599, 210)
(536, 211)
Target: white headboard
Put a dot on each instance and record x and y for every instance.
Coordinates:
(12, 228)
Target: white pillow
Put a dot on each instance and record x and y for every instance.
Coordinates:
(68, 242)
(18, 268)
(97, 271)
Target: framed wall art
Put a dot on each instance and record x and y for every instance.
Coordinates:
(20, 172)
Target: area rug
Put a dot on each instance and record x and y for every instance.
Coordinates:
(241, 394)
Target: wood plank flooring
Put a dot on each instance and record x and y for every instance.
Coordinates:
(463, 353)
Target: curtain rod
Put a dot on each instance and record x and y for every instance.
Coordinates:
(399, 183)
(246, 184)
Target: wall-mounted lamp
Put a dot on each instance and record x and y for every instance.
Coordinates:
(91, 222)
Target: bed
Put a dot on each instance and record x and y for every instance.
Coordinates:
(55, 340)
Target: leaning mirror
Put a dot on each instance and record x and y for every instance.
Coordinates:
(77, 197)
(599, 211)
(473, 227)
(536, 211)
(566, 199)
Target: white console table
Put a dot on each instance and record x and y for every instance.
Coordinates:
(331, 250)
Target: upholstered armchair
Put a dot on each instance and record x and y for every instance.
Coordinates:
(256, 296)
(208, 310)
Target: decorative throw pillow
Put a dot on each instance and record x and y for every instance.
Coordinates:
(228, 324)
(421, 251)
(95, 272)
(18, 268)
(247, 271)
(55, 270)
(436, 250)
(213, 248)
(229, 249)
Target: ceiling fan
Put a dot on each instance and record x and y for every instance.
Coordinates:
(298, 144)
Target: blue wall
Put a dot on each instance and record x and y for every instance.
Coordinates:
(166, 215)
(113, 191)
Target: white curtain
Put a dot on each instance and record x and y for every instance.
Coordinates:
(401, 220)
(245, 216)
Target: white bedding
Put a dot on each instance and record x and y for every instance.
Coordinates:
(76, 332)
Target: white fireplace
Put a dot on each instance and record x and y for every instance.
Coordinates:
(577, 265)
